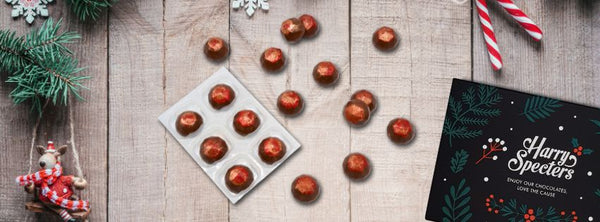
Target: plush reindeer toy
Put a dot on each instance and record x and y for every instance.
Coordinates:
(54, 190)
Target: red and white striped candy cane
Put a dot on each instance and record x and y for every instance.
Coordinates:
(488, 34)
(525, 22)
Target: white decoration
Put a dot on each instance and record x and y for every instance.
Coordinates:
(29, 8)
(486, 179)
(589, 173)
(561, 128)
(590, 219)
(250, 5)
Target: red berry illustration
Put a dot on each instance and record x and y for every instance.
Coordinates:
(562, 213)
(579, 153)
(580, 148)
(501, 200)
(575, 150)
(492, 196)
(573, 213)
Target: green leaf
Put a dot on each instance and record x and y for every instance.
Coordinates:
(457, 206)
(458, 162)
(575, 142)
(598, 192)
(537, 107)
(587, 151)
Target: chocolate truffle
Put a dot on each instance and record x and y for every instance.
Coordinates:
(213, 149)
(385, 38)
(311, 27)
(356, 112)
(292, 29)
(216, 49)
(400, 131)
(238, 178)
(271, 150)
(325, 73)
(188, 122)
(272, 59)
(220, 96)
(305, 189)
(245, 122)
(357, 166)
(367, 97)
(290, 103)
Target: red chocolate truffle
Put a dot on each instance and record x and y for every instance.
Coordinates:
(245, 122)
(311, 26)
(356, 112)
(305, 189)
(272, 59)
(213, 149)
(400, 131)
(271, 150)
(367, 97)
(292, 29)
(220, 96)
(325, 73)
(188, 122)
(385, 38)
(290, 103)
(216, 49)
(357, 166)
(238, 178)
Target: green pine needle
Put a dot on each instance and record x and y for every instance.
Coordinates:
(89, 9)
(40, 65)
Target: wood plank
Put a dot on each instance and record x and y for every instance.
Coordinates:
(89, 121)
(190, 194)
(136, 140)
(411, 82)
(564, 65)
(320, 129)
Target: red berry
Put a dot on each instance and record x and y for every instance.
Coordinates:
(487, 200)
(579, 153)
(492, 196)
(496, 211)
(489, 209)
(501, 200)
(562, 213)
(573, 213)
(580, 148)
(526, 216)
(575, 150)
(487, 204)
(530, 211)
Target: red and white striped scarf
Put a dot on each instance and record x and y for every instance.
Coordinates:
(48, 177)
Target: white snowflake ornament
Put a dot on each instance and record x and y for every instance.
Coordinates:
(29, 8)
(250, 5)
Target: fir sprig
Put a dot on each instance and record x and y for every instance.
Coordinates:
(473, 109)
(40, 65)
(89, 9)
(537, 107)
(457, 208)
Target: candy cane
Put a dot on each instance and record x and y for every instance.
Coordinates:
(525, 22)
(488, 34)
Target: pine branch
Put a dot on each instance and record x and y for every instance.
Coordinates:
(40, 65)
(89, 9)
(538, 107)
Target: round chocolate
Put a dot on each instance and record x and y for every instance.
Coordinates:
(311, 27)
(305, 189)
(216, 49)
(246, 122)
(271, 150)
(385, 38)
(325, 73)
(367, 97)
(220, 96)
(238, 178)
(272, 59)
(188, 122)
(356, 112)
(290, 102)
(357, 166)
(213, 149)
(400, 131)
(292, 29)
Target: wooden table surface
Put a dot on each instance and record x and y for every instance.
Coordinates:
(144, 55)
